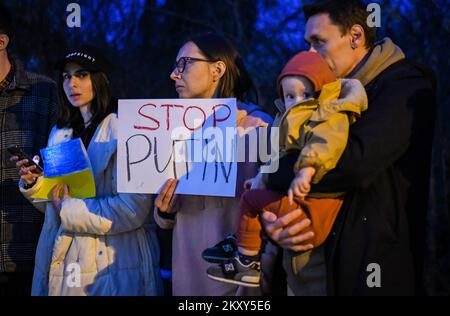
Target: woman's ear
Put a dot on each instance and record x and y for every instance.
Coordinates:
(219, 69)
(4, 41)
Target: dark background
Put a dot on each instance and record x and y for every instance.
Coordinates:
(142, 38)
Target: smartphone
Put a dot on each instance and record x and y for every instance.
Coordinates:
(15, 150)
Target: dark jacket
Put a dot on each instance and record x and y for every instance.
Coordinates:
(27, 113)
(385, 171)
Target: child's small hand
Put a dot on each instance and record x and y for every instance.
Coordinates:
(255, 183)
(258, 182)
(299, 188)
(301, 185)
(248, 184)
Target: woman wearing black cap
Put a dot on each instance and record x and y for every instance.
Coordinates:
(94, 246)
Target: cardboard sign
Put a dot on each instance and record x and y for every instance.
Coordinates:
(66, 163)
(192, 140)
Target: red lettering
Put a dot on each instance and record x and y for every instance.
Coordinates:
(220, 119)
(184, 117)
(149, 117)
(169, 106)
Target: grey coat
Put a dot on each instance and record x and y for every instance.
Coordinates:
(202, 221)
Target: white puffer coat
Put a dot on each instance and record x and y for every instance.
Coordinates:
(100, 246)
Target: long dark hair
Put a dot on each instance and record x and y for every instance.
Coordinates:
(102, 105)
(236, 82)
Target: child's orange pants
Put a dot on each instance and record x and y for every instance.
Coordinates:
(321, 211)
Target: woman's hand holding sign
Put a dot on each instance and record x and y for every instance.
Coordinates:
(166, 199)
(59, 194)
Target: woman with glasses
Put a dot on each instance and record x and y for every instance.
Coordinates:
(100, 245)
(207, 66)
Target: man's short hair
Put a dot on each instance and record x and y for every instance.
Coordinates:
(344, 14)
(5, 21)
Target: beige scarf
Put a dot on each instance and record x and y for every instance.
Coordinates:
(382, 56)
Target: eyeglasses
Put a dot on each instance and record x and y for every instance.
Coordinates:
(181, 63)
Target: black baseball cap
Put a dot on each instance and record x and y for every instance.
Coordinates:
(89, 57)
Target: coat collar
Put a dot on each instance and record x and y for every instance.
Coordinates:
(20, 79)
(343, 95)
(102, 146)
(384, 54)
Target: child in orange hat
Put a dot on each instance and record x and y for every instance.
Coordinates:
(314, 120)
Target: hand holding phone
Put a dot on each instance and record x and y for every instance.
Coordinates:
(15, 150)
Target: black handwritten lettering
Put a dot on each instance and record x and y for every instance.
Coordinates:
(139, 161)
(205, 163)
(156, 158)
(222, 165)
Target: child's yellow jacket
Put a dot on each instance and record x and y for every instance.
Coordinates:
(319, 127)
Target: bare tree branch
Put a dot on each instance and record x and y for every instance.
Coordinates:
(183, 17)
